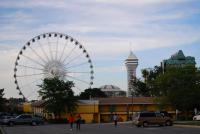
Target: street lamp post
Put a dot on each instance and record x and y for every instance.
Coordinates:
(132, 102)
(132, 95)
(132, 108)
(94, 112)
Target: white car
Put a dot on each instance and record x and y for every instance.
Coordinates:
(5, 119)
(197, 117)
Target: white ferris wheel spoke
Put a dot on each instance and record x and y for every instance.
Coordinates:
(37, 54)
(27, 75)
(75, 78)
(73, 59)
(69, 54)
(31, 67)
(57, 47)
(33, 60)
(41, 46)
(66, 43)
(76, 65)
(49, 44)
(79, 72)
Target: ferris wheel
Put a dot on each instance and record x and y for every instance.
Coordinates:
(52, 55)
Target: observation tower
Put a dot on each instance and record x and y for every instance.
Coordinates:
(131, 64)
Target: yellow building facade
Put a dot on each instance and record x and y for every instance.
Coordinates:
(125, 107)
(102, 109)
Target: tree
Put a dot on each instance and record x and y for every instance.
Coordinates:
(139, 88)
(145, 74)
(58, 96)
(179, 87)
(2, 100)
(151, 73)
(92, 92)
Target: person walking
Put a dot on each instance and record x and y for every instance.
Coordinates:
(115, 119)
(71, 121)
(78, 122)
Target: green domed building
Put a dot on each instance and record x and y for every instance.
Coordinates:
(178, 60)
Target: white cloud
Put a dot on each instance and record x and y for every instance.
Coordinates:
(139, 2)
(7, 59)
(110, 69)
(64, 3)
(33, 3)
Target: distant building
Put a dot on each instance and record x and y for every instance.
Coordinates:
(112, 91)
(131, 64)
(178, 60)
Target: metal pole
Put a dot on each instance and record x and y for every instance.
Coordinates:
(94, 113)
(132, 103)
(132, 109)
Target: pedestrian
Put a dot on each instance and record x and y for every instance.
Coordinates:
(71, 121)
(115, 119)
(78, 122)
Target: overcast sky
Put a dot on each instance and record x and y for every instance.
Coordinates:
(156, 29)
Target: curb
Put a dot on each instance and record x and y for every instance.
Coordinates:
(188, 126)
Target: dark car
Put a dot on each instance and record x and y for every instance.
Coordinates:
(25, 119)
(151, 118)
(165, 113)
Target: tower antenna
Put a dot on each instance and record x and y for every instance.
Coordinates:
(130, 46)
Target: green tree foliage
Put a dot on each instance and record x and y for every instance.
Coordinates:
(58, 96)
(149, 76)
(139, 88)
(151, 73)
(92, 92)
(142, 89)
(179, 87)
(2, 100)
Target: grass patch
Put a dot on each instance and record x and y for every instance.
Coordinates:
(195, 123)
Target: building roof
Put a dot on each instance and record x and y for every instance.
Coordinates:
(178, 56)
(110, 88)
(131, 56)
(126, 100)
(180, 59)
(38, 103)
(88, 102)
(41, 103)
(109, 101)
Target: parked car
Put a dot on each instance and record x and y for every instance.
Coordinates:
(151, 118)
(197, 117)
(165, 113)
(5, 119)
(25, 119)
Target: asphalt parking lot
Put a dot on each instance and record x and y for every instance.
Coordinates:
(100, 129)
